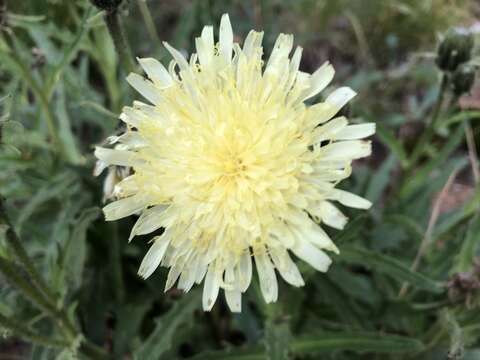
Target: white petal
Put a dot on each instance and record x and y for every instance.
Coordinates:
(115, 157)
(329, 130)
(149, 221)
(100, 165)
(233, 296)
(312, 255)
(319, 81)
(286, 267)
(340, 97)
(156, 72)
(132, 116)
(282, 47)
(177, 56)
(331, 216)
(353, 132)
(187, 279)
(154, 256)
(226, 39)
(124, 207)
(315, 235)
(347, 150)
(145, 88)
(244, 269)
(210, 288)
(173, 275)
(266, 276)
(348, 199)
(234, 300)
(252, 42)
(205, 45)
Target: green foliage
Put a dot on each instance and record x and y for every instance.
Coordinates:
(68, 283)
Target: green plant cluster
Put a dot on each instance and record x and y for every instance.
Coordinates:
(406, 284)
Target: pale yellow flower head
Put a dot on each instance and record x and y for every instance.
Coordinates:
(236, 168)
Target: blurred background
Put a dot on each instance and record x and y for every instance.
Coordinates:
(406, 284)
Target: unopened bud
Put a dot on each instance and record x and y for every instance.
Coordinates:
(455, 49)
(463, 79)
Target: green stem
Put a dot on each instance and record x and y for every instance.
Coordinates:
(117, 33)
(430, 130)
(116, 262)
(148, 19)
(17, 278)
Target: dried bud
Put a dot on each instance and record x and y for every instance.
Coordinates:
(463, 79)
(107, 5)
(455, 49)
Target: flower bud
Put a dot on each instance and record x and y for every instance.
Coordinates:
(455, 49)
(107, 5)
(463, 79)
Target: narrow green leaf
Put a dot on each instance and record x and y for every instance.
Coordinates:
(468, 251)
(388, 138)
(160, 340)
(256, 353)
(65, 133)
(361, 342)
(380, 179)
(388, 265)
(76, 248)
(421, 175)
(458, 118)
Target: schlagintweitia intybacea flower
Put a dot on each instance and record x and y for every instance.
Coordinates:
(236, 168)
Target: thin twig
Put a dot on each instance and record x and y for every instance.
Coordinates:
(430, 227)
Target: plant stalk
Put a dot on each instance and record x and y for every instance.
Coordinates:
(430, 130)
(119, 38)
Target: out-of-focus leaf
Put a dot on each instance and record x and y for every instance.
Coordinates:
(57, 187)
(65, 133)
(380, 179)
(421, 175)
(460, 117)
(160, 340)
(75, 250)
(255, 353)
(388, 265)
(129, 321)
(359, 342)
(470, 244)
(388, 138)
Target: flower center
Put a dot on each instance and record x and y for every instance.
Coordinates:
(234, 166)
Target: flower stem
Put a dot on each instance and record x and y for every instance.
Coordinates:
(148, 19)
(117, 33)
(430, 130)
